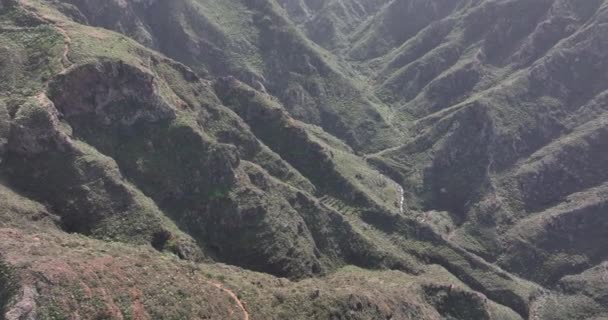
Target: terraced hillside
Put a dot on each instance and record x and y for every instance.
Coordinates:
(303, 159)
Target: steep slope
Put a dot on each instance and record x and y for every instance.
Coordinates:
(395, 159)
(71, 276)
(510, 146)
(331, 24)
(254, 42)
(133, 137)
(506, 130)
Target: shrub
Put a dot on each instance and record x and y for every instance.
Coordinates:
(8, 285)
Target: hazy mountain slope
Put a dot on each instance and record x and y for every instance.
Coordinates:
(507, 98)
(131, 137)
(122, 141)
(458, 144)
(331, 24)
(241, 39)
(520, 146)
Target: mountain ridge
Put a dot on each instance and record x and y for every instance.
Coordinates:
(456, 146)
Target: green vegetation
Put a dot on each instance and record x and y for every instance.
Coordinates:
(8, 285)
(398, 158)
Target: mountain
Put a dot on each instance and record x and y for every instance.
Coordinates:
(303, 159)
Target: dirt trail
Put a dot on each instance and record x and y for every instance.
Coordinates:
(536, 307)
(59, 26)
(235, 297)
(66, 47)
(401, 195)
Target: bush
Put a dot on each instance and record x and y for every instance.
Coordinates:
(8, 286)
(280, 296)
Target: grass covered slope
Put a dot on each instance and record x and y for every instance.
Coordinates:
(65, 276)
(432, 167)
(518, 145)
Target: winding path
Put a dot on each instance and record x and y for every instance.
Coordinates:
(234, 296)
(59, 26)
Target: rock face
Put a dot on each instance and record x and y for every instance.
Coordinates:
(110, 93)
(402, 158)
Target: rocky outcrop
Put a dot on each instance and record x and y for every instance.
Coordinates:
(82, 186)
(198, 182)
(111, 93)
(454, 303)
